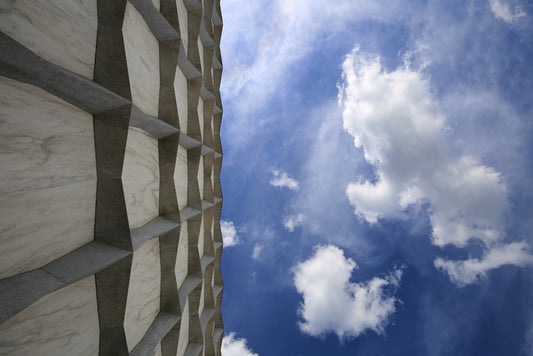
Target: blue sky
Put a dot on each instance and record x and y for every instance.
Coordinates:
(377, 177)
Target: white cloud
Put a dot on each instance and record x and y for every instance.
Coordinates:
(291, 222)
(256, 254)
(283, 180)
(471, 270)
(334, 304)
(394, 118)
(502, 10)
(235, 347)
(229, 233)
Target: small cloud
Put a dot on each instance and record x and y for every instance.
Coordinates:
(334, 304)
(471, 270)
(283, 180)
(232, 346)
(229, 233)
(291, 222)
(257, 251)
(502, 10)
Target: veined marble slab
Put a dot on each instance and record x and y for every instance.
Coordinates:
(201, 177)
(157, 350)
(181, 268)
(62, 323)
(200, 109)
(180, 88)
(142, 57)
(60, 31)
(140, 177)
(47, 180)
(181, 177)
(142, 305)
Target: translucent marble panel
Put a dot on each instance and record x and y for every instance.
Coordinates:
(62, 323)
(201, 116)
(140, 177)
(60, 31)
(180, 177)
(180, 88)
(201, 177)
(142, 56)
(157, 350)
(47, 180)
(142, 304)
(182, 260)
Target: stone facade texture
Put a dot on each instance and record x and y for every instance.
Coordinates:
(110, 161)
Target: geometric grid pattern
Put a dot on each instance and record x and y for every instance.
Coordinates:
(111, 197)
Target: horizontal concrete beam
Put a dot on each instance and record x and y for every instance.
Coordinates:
(163, 323)
(20, 291)
(18, 62)
(150, 124)
(162, 30)
(152, 229)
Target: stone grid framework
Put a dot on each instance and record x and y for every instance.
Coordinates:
(110, 160)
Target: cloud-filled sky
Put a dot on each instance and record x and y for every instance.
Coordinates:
(377, 172)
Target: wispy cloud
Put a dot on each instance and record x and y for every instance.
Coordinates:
(334, 304)
(291, 222)
(229, 233)
(283, 180)
(502, 10)
(231, 346)
(258, 249)
(394, 118)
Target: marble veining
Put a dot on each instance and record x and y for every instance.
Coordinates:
(142, 57)
(180, 177)
(140, 177)
(157, 350)
(201, 177)
(142, 304)
(48, 179)
(181, 266)
(62, 323)
(60, 31)
(180, 89)
(200, 109)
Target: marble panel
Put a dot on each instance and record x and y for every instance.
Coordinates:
(62, 323)
(47, 180)
(142, 305)
(180, 88)
(200, 109)
(140, 177)
(182, 260)
(181, 177)
(157, 4)
(142, 57)
(183, 20)
(201, 177)
(157, 350)
(60, 31)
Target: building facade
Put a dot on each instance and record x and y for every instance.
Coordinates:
(110, 160)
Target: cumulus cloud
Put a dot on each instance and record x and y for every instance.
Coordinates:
(283, 180)
(395, 120)
(229, 233)
(232, 346)
(334, 304)
(502, 10)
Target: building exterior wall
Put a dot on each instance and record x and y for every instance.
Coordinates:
(110, 161)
